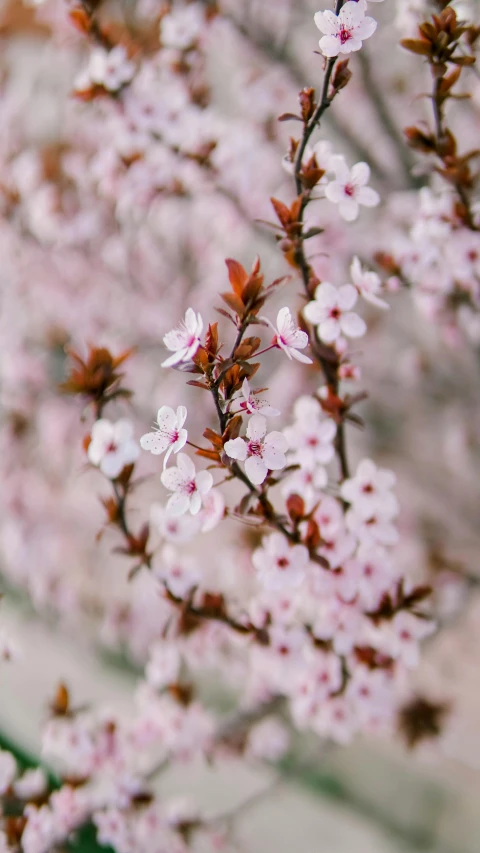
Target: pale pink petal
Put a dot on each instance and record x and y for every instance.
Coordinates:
(130, 452)
(339, 166)
(236, 448)
(177, 504)
(181, 416)
(191, 321)
(154, 442)
(195, 503)
(348, 209)
(314, 312)
(112, 465)
(327, 22)
(366, 28)
(329, 330)
(166, 418)
(173, 479)
(122, 431)
(329, 45)
(257, 427)
(186, 466)
(204, 482)
(368, 197)
(256, 470)
(284, 321)
(325, 295)
(351, 45)
(274, 457)
(335, 192)
(299, 356)
(360, 174)
(352, 325)
(176, 358)
(347, 296)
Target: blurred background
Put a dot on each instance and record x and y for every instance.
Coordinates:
(106, 239)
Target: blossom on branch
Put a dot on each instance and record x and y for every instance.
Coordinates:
(280, 564)
(248, 402)
(368, 284)
(344, 32)
(112, 446)
(259, 451)
(330, 311)
(349, 189)
(169, 434)
(188, 488)
(288, 337)
(184, 340)
(110, 69)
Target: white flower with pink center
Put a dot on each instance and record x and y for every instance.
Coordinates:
(344, 32)
(369, 491)
(372, 529)
(368, 284)
(112, 70)
(184, 340)
(169, 434)
(330, 311)
(187, 486)
(176, 529)
(400, 636)
(260, 452)
(248, 402)
(112, 446)
(280, 564)
(310, 438)
(349, 189)
(288, 337)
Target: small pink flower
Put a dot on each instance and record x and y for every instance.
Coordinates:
(187, 486)
(112, 446)
(280, 564)
(369, 491)
(112, 70)
(251, 404)
(349, 189)
(367, 283)
(330, 311)
(345, 32)
(289, 337)
(259, 451)
(184, 340)
(169, 435)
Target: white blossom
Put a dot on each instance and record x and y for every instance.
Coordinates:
(344, 32)
(368, 284)
(184, 340)
(112, 446)
(169, 434)
(187, 486)
(330, 311)
(349, 189)
(259, 451)
(289, 337)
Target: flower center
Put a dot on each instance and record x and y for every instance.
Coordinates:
(282, 563)
(349, 190)
(344, 34)
(112, 447)
(335, 313)
(255, 448)
(367, 489)
(190, 487)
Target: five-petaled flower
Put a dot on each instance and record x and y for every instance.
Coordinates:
(344, 32)
(259, 451)
(289, 337)
(249, 403)
(349, 189)
(184, 340)
(188, 488)
(330, 311)
(112, 446)
(169, 434)
(368, 284)
(280, 564)
(112, 70)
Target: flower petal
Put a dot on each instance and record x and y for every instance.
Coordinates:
(236, 448)
(257, 427)
(256, 470)
(352, 325)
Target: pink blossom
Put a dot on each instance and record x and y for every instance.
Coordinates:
(259, 451)
(330, 311)
(268, 740)
(179, 573)
(176, 529)
(112, 446)
(169, 435)
(349, 189)
(376, 528)
(248, 402)
(310, 437)
(367, 283)
(280, 564)
(112, 70)
(369, 490)
(344, 32)
(188, 488)
(289, 337)
(212, 511)
(184, 340)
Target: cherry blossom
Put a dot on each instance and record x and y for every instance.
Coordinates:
(260, 451)
(184, 340)
(288, 337)
(344, 32)
(111, 69)
(178, 572)
(280, 564)
(369, 491)
(248, 402)
(188, 486)
(112, 446)
(310, 437)
(268, 740)
(367, 283)
(330, 311)
(169, 434)
(349, 189)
